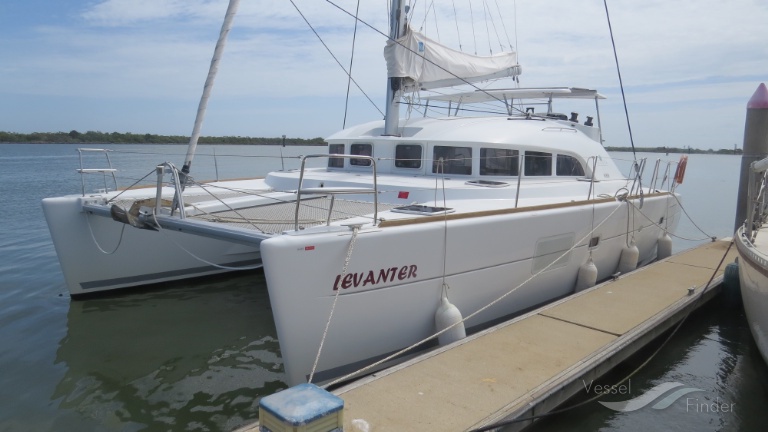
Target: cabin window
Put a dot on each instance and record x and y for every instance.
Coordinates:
(569, 166)
(498, 162)
(452, 160)
(538, 164)
(336, 162)
(408, 156)
(362, 150)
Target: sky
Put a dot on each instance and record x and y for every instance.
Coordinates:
(688, 66)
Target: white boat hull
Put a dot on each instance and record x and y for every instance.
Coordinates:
(753, 279)
(394, 281)
(97, 253)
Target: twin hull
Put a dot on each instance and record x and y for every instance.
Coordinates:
(130, 256)
(392, 288)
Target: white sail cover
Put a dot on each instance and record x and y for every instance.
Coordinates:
(430, 65)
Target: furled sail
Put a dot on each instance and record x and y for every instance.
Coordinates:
(427, 64)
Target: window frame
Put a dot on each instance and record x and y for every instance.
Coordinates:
(514, 168)
(336, 162)
(357, 162)
(464, 163)
(529, 168)
(409, 160)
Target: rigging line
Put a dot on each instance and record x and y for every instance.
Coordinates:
(689, 216)
(202, 186)
(334, 57)
(472, 20)
(504, 26)
(495, 30)
(351, 60)
(129, 187)
(355, 230)
(621, 83)
(631, 374)
(487, 31)
(414, 52)
(434, 13)
(278, 200)
(456, 20)
(664, 228)
(517, 46)
(472, 315)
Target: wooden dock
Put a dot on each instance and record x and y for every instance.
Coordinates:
(533, 363)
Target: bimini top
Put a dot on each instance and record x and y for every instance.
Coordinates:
(490, 95)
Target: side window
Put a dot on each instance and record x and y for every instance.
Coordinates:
(336, 162)
(498, 162)
(452, 160)
(568, 166)
(408, 156)
(538, 163)
(363, 150)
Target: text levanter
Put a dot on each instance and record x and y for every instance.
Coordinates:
(374, 277)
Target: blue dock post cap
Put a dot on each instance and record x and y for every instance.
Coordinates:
(301, 405)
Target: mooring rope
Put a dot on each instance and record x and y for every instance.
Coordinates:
(93, 237)
(355, 230)
(664, 228)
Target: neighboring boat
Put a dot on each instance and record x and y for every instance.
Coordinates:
(752, 244)
(504, 209)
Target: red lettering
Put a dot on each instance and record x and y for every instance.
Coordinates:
(369, 279)
(402, 273)
(394, 272)
(383, 275)
(412, 272)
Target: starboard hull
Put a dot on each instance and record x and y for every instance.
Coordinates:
(394, 281)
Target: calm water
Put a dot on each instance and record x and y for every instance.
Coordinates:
(198, 355)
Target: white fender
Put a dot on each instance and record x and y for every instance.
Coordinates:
(629, 257)
(448, 314)
(587, 276)
(664, 246)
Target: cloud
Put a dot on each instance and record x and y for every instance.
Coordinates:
(672, 54)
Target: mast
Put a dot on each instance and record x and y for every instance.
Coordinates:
(212, 70)
(396, 30)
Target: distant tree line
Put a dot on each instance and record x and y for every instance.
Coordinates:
(96, 137)
(686, 150)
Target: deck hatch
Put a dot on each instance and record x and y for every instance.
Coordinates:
(422, 209)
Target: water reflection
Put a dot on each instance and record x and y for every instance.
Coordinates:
(192, 356)
(713, 351)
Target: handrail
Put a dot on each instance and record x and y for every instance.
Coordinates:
(334, 191)
(103, 171)
(654, 176)
(638, 180)
(178, 197)
(592, 177)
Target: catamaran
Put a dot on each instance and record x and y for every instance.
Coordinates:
(496, 213)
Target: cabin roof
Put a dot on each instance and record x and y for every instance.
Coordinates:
(490, 95)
